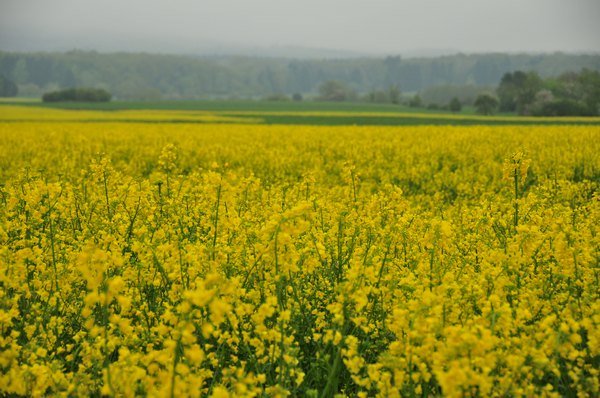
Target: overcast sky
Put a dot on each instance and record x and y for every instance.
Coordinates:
(367, 26)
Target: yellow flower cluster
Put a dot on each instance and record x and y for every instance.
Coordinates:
(247, 260)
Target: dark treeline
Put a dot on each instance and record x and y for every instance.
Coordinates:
(77, 95)
(147, 76)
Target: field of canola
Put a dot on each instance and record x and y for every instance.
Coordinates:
(246, 260)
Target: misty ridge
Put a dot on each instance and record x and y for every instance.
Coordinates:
(143, 76)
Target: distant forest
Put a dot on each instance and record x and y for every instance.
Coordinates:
(148, 76)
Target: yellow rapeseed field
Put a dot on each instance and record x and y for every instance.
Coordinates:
(251, 260)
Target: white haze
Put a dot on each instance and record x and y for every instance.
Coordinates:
(307, 27)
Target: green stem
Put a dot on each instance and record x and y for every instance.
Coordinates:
(332, 380)
(516, 217)
(216, 223)
(106, 195)
(176, 357)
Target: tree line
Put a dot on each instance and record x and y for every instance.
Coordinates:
(148, 76)
(524, 93)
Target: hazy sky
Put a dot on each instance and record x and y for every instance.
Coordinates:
(367, 26)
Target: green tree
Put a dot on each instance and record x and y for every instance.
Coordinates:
(8, 88)
(393, 71)
(571, 94)
(415, 102)
(377, 96)
(394, 94)
(20, 74)
(486, 104)
(517, 91)
(589, 80)
(455, 105)
(334, 90)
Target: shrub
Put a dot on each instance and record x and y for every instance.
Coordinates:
(563, 107)
(278, 97)
(78, 95)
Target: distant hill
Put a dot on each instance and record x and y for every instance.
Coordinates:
(151, 76)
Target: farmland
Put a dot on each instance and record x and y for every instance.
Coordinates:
(265, 112)
(185, 252)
